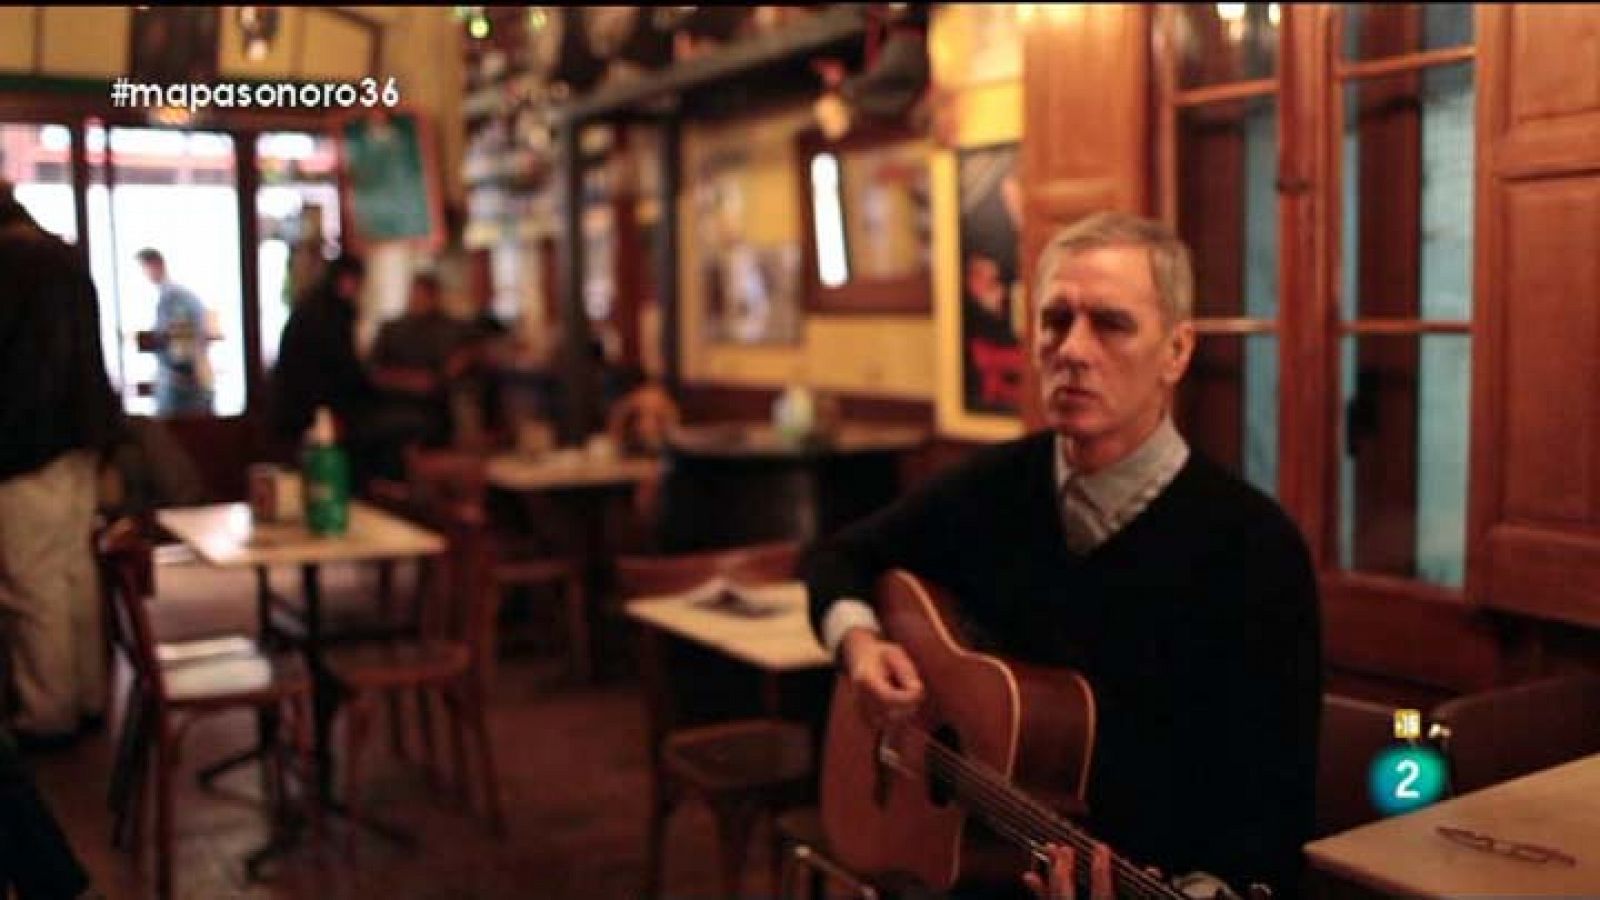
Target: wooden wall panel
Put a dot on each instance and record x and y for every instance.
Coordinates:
(1535, 516)
(1552, 346)
(1546, 85)
(1086, 102)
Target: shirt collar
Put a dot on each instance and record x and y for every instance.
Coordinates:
(1113, 487)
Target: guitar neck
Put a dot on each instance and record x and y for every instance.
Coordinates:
(1024, 821)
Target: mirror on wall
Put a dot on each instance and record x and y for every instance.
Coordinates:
(868, 229)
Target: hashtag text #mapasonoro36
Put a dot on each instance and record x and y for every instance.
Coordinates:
(367, 93)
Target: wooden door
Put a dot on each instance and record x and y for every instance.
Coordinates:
(1535, 522)
(1086, 114)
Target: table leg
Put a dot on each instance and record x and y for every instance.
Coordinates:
(322, 699)
(771, 695)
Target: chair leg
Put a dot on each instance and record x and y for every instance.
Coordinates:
(165, 763)
(133, 761)
(458, 747)
(430, 759)
(357, 721)
(734, 818)
(131, 829)
(578, 629)
(116, 794)
(478, 717)
(397, 742)
(662, 800)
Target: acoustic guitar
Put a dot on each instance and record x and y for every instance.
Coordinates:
(1005, 743)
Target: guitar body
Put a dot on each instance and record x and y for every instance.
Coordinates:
(1035, 725)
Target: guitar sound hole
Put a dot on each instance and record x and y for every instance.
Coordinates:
(946, 744)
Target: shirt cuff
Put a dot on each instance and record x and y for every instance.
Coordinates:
(846, 614)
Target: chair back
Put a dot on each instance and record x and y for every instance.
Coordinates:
(1505, 733)
(460, 599)
(1353, 733)
(643, 576)
(446, 476)
(128, 577)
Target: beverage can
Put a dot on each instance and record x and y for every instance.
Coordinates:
(263, 480)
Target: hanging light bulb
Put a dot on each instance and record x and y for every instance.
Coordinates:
(1231, 12)
(258, 25)
(478, 27)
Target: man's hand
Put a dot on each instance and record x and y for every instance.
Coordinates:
(1060, 886)
(886, 680)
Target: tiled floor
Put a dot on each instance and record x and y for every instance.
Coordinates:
(573, 779)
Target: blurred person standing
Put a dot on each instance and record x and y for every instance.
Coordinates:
(181, 341)
(318, 366)
(58, 414)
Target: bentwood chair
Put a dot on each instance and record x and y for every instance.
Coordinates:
(518, 561)
(448, 659)
(173, 693)
(742, 767)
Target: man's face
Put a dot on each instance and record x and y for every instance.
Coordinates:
(154, 271)
(1107, 360)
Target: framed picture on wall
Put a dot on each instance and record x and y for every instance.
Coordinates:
(391, 183)
(993, 310)
(752, 288)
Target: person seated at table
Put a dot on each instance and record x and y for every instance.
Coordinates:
(414, 361)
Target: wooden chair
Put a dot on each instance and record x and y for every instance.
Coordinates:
(172, 695)
(449, 659)
(1505, 733)
(742, 768)
(444, 476)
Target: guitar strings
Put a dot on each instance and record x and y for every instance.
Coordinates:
(1019, 813)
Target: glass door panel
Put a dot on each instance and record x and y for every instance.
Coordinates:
(297, 208)
(174, 192)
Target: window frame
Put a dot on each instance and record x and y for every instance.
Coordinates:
(1309, 91)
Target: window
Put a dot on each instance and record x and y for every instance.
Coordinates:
(1385, 332)
(1405, 310)
(1221, 109)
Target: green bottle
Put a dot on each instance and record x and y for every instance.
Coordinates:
(326, 474)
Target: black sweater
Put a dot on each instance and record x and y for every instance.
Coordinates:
(1197, 625)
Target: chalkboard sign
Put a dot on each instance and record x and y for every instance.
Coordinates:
(391, 181)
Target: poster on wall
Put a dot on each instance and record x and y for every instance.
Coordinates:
(992, 307)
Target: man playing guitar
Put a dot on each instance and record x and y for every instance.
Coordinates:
(1184, 596)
